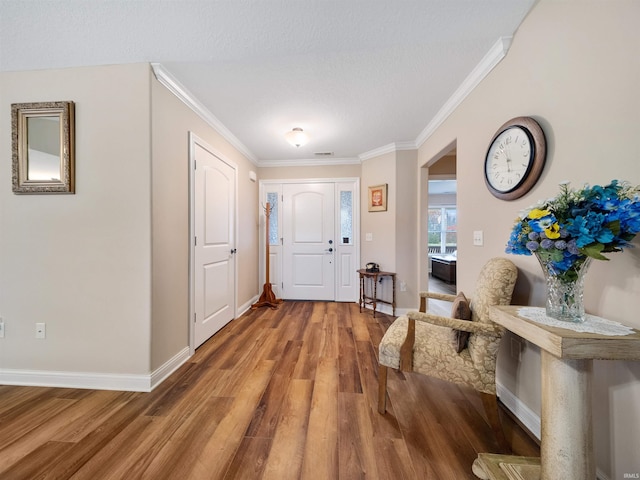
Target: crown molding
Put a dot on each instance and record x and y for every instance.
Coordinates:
(175, 87)
(389, 148)
(497, 52)
(309, 162)
(490, 60)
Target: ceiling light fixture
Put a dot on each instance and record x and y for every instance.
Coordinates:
(296, 137)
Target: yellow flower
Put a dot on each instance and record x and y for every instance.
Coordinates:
(552, 231)
(537, 213)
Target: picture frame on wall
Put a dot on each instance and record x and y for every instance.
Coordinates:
(43, 147)
(378, 198)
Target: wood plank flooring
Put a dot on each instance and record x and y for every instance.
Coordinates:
(277, 394)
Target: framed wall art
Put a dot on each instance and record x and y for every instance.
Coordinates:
(378, 198)
(43, 147)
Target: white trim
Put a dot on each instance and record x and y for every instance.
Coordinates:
(390, 148)
(356, 220)
(193, 140)
(495, 54)
(97, 381)
(92, 380)
(164, 371)
(244, 308)
(490, 60)
(175, 87)
(523, 413)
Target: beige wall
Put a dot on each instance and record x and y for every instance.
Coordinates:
(406, 229)
(80, 263)
(309, 172)
(394, 243)
(574, 67)
(172, 121)
(107, 268)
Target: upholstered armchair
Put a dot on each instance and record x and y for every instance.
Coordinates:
(432, 345)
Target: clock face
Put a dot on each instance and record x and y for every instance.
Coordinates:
(509, 159)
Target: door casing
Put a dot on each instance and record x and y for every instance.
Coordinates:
(193, 141)
(346, 278)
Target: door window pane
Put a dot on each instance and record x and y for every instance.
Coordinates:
(272, 198)
(346, 218)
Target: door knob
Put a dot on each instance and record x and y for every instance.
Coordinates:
(233, 250)
(329, 250)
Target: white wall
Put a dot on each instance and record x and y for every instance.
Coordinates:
(573, 66)
(80, 263)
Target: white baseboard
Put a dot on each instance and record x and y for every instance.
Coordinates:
(170, 366)
(246, 306)
(523, 413)
(97, 381)
(94, 381)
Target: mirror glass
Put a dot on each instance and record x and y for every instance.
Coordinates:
(43, 148)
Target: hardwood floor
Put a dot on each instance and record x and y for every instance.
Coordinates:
(287, 393)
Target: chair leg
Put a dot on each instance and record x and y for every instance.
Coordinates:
(490, 403)
(382, 389)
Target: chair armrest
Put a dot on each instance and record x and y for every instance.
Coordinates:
(473, 327)
(436, 296)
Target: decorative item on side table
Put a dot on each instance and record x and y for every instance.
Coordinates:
(566, 232)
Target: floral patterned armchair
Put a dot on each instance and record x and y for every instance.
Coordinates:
(424, 343)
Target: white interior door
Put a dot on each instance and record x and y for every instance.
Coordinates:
(308, 271)
(214, 243)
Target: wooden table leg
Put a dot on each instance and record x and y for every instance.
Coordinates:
(375, 294)
(566, 449)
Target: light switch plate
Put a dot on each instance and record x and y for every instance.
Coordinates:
(478, 238)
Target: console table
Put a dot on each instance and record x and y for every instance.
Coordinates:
(566, 449)
(374, 300)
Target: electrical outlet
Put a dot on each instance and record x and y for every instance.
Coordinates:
(403, 286)
(1, 328)
(41, 330)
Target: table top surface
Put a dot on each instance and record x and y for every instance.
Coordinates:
(565, 343)
(363, 271)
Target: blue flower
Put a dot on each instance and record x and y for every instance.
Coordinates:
(579, 223)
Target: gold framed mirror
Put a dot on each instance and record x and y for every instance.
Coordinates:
(43, 147)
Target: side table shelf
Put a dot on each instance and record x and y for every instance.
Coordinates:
(373, 299)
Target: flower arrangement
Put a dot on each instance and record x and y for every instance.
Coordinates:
(578, 224)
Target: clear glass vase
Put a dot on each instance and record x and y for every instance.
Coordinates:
(565, 290)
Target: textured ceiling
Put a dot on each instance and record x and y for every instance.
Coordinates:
(355, 75)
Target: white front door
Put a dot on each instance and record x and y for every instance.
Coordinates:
(214, 243)
(308, 271)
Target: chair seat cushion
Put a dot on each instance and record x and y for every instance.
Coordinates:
(434, 354)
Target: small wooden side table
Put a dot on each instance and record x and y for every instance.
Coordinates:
(566, 448)
(374, 300)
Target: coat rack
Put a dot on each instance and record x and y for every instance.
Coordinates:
(267, 298)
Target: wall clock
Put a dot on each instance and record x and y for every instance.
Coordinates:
(515, 158)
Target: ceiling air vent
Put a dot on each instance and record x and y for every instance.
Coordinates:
(323, 154)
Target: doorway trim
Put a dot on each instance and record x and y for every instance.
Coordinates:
(193, 141)
(263, 187)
